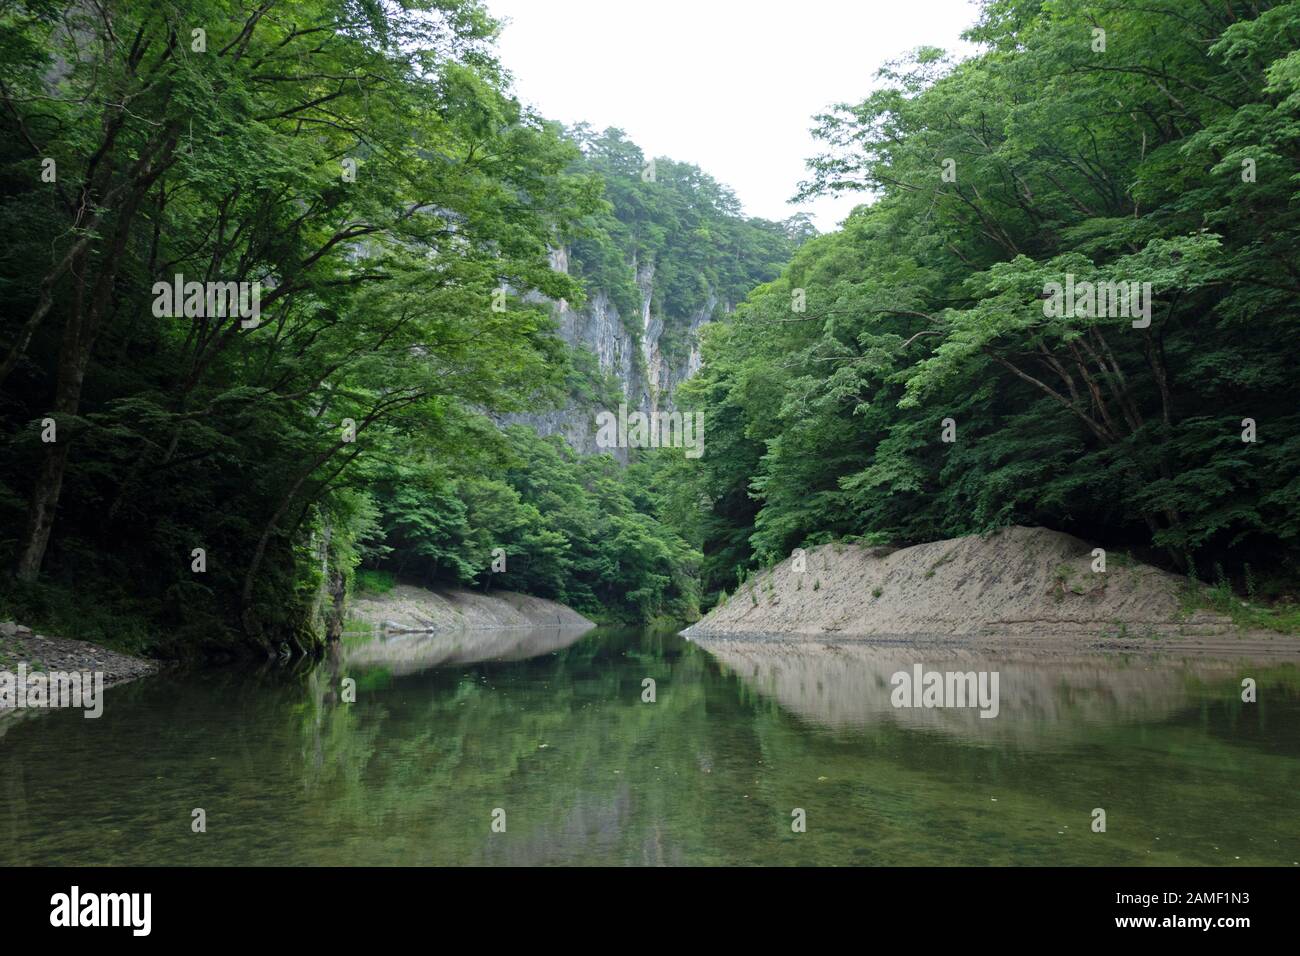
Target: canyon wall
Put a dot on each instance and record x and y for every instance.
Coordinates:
(645, 358)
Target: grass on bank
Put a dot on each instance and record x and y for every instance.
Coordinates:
(374, 582)
(1281, 615)
(1269, 605)
(111, 620)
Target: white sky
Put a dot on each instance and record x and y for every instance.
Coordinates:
(730, 85)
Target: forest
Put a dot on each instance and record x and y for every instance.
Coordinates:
(1154, 144)
(195, 481)
(181, 484)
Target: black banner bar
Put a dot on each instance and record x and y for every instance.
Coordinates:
(332, 905)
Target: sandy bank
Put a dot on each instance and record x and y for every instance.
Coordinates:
(411, 609)
(1020, 581)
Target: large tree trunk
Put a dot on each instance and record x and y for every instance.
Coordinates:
(40, 511)
(79, 334)
(74, 355)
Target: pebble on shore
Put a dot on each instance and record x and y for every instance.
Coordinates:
(19, 643)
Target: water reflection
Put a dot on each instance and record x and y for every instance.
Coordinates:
(409, 653)
(1047, 695)
(555, 730)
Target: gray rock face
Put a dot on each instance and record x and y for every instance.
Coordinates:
(646, 375)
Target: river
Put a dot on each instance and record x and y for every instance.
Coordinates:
(551, 737)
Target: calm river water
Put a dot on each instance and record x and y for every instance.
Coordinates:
(549, 734)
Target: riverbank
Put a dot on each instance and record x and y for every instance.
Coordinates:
(1053, 647)
(409, 609)
(44, 653)
(1026, 582)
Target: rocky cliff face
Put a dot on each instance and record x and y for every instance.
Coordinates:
(644, 367)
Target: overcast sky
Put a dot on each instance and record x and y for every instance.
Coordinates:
(730, 85)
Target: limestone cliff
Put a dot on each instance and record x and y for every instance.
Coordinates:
(644, 358)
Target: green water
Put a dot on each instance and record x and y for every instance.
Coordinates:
(553, 731)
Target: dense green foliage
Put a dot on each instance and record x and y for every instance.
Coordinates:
(1169, 157)
(365, 163)
(576, 529)
(677, 220)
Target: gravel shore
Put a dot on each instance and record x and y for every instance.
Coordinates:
(39, 651)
